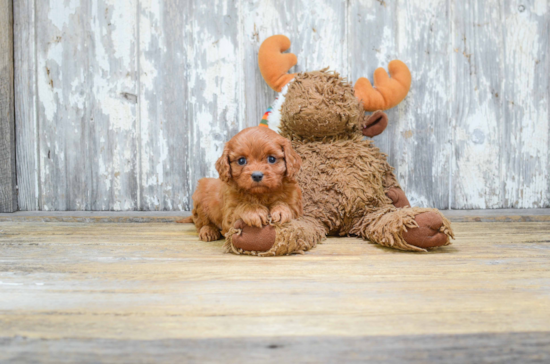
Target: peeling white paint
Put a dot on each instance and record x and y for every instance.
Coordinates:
(105, 146)
(124, 23)
(418, 200)
(61, 11)
(214, 93)
(478, 163)
(525, 45)
(540, 7)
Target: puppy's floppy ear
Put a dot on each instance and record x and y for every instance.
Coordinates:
(223, 166)
(292, 159)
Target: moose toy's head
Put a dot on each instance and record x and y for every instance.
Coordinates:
(322, 104)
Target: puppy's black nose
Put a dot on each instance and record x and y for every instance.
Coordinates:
(257, 176)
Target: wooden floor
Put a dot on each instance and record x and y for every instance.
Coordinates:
(151, 292)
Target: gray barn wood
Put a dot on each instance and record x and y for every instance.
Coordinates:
(93, 292)
(125, 105)
(8, 192)
(27, 131)
(520, 347)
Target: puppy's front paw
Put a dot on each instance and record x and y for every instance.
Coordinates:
(257, 218)
(209, 233)
(281, 214)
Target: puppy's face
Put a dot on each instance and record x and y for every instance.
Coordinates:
(258, 160)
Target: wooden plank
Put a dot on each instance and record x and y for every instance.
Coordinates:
(498, 215)
(525, 137)
(28, 180)
(528, 347)
(317, 31)
(8, 182)
(478, 118)
(423, 158)
(98, 216)
(77, 286)
(164, 127)
(87, 113)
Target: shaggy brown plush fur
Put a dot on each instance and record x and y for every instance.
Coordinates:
(387, 226)
(319, 104)
(295, 237)
(345, 180)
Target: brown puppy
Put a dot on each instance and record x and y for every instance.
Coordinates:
(257, 184)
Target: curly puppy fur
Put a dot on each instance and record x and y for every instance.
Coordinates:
(257, 184)
(344, 179)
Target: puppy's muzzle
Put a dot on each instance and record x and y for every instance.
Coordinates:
(257, 176)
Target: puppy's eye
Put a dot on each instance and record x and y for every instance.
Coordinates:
(241, 161)
(271, 159)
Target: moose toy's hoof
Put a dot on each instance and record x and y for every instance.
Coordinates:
(253, 238)
(428, 234)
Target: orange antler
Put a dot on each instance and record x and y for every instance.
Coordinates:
(387, 92)
(274, 64)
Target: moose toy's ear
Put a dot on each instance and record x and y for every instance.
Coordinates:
(274, 64)
(375, 123)
(223, 166)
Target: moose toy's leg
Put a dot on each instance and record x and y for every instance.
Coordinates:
(413, 229)
(398, 197)
(296, 236)
(427, 234)
(393, 190)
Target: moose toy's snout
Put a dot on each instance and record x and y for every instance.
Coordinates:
(257, 176)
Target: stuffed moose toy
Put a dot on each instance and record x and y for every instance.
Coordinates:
(348, 187)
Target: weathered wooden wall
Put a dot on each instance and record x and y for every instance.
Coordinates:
(125, 105)
(8, 192)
